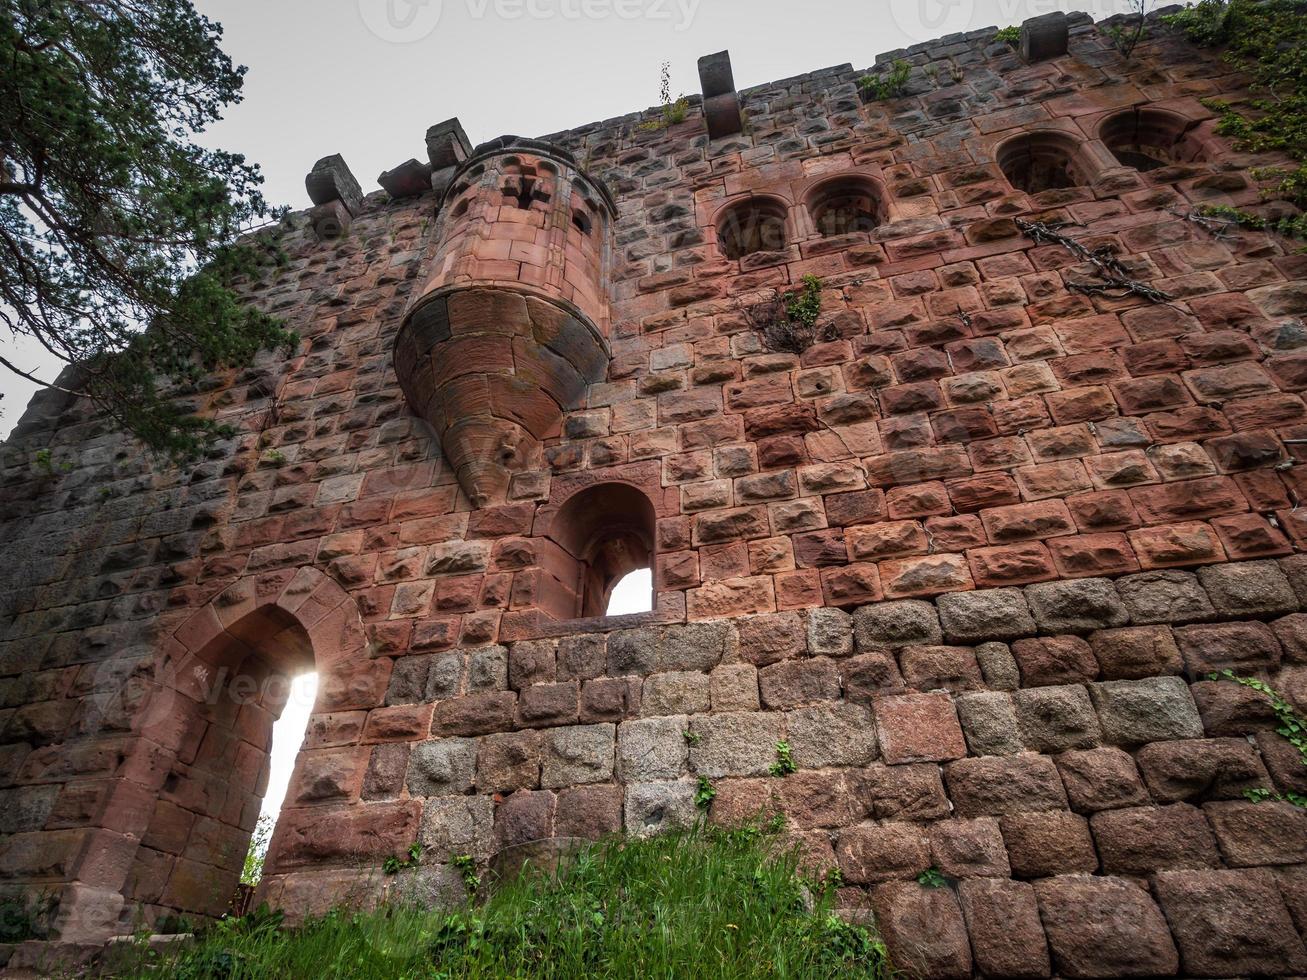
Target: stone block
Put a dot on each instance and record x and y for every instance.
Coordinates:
(579, 755)
(1054, 719)
(676, 693)
(990, 614)
(836, 734)
(1141, 840)
(1136, 652)
(890, 625)
(455, 825)
(1241, 647)
(998, 666)
(810, 800)
(989, 722)
(1250, 588)
(829, 633)
(941, 668)
(1101, 779)
(523, 817)
(1040, 845)
(1055, 660)
(1195, 770)
(799, 682)
(869, 675)
(1007, 938)
(1164, 597)
(1255, 834)
(969, 848)
(734, 687)
(690, 647)
(1104, 927)
(998, 785)
(911, 792)
(735, 744)
(589, 812)
(771, 638)
(508, 762)
(442, 767)
(331, 180)
(923, 930)
(1044, 37)
(652, 749)
(919, 728)
(655, 808)
(1077, 606)
(1154, 710)
(1230, 923)
(873, 853)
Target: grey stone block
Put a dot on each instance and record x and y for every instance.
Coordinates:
(652, 749)
(1251, 588)
(1044, 37)
(1154, 710)
(830, 633)
(652, 808)
(735, 744)
(633, 652)
(1076, 606)
(1164, 597)
(573, 756)
(998, 666)
(696, 646)
(838, 734)
(487, 669)
(675, 693)
(457, 825)
(992, 614)
(734, 687)
(889, 625)
(442, 767)
(1055, 719)
(989, 722)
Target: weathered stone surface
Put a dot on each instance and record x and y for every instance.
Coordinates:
(883, 852)
(653, 808)
(454, 825)
(1040, 845)
(1054, 660)
(1053, 719)
(1002, 918)
(1256, 834)
(577, 755)
(443, 767)
(1136, 652)
(1076, 607)
(799, 682)
(829, 633)
(1104, 927)
(1164, 597)
(735, 744)
(969, 849)
(890, 625)
(1154, 710)
(992, 614)
(1195, 770)
(839, 734)
(1230, 923)
(995, 785)
(675, 693)
(1101, 779)
(923, 929)
(1251, 588)
(652, 749)
(998, 666)
(1141, 840)
(919, 728)
(989, 722)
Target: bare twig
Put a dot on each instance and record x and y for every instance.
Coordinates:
(1116, 280)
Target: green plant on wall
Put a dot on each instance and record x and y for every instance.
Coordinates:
(889, 85)
(670, 112)
(1009, 35)
(1267, 40)
(252, 871)
(704, 793)
(393, 865)
(1290, 725)
(784, 764)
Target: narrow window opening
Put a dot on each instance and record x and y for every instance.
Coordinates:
(1150, 139)
(754, 226)
(287, 739)
(581, 221)
(633, 594)
(846, 206)
(1040, 162)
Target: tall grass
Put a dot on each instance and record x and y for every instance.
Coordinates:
(696, 904)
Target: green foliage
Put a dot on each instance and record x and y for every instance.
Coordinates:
(691, 738)
(393, 865)
(1010, 34)
(932, 878)
(24, 917)
(44, 462)
(805, 307)
(704, 793)
(120, 234)
(1125, 37)
(1267, 39)
(252, 870)
(1290, 725)
(1290, 226)
(697, 904)
(465, 865)
(784, 764)
(274, 457)
(890, 85)
(1261, 795)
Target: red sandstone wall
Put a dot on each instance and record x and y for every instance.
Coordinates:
(1034, 463)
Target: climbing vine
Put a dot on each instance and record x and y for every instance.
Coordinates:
(1289, 724)
(1267, 39)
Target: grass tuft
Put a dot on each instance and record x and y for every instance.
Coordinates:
(694, 904)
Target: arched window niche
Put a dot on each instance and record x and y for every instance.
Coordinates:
(1150, 139)
(757, 224)
(845, 206)
(1042, 161)
(606, 533)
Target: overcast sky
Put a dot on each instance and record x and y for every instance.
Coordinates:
(365, 78)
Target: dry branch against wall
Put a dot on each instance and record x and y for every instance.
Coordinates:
(1114, 275)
